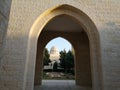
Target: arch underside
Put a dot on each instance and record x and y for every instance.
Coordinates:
(93, 43)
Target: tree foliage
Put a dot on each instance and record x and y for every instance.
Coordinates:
(62, 58)
(69, 60)
(46, 57)
(55, 66)
(66, 60)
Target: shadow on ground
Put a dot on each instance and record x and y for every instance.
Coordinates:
(60, 85)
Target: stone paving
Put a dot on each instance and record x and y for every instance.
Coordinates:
(60, 85)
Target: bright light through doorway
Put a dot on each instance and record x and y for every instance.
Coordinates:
(61, 44)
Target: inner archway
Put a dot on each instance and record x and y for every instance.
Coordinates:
(86, 36)
(65, 26)
(58, 61)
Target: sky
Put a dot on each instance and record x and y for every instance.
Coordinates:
(60, 43)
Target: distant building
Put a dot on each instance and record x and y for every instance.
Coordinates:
(54, 54)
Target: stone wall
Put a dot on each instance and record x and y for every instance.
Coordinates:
(4, 18)
(104, 13)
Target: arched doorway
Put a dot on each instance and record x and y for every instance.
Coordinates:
(89, 40)
(58, 63)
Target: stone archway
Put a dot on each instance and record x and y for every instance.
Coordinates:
(40, 48)
(80, 42)
(85, 22)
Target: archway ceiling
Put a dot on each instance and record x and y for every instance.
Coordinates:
(63, 23)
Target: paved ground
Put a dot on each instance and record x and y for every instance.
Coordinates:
(60, 85)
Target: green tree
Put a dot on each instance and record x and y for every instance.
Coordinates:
(62, 58)
(69, 60)
(55, 66)
(46, 57)
(66, 60)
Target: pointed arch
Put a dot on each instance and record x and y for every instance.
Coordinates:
(89, 27)
(57, 39)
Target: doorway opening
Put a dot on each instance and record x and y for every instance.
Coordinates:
(74, 25)
(58, 60)
(67, 27)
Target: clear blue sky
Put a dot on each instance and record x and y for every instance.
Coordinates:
(60, 43)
